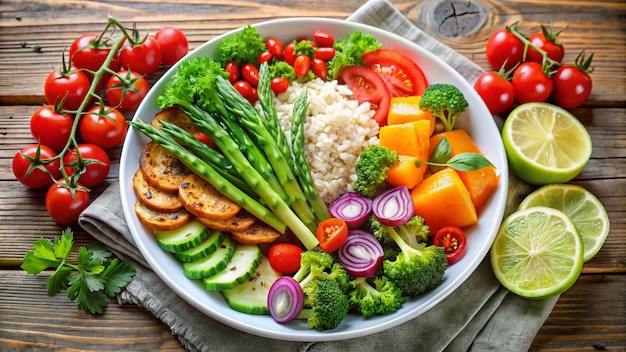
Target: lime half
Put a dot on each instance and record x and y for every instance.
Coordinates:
(581, 206)
(537, 253)
(545, 144)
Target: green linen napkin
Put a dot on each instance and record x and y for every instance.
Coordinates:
(480, 315)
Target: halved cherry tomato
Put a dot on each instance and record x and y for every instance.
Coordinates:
(453, 241)
(367, 86)
(402, 76)
(285, 257)
(332, 233)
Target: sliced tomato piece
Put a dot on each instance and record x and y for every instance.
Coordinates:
(453, 241)
(367, 86)
(401, 74)
(332, 233)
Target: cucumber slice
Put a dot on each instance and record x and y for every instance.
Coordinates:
(244, 263)
(212, 264)
(250, 297)
(183, 238)
(203, 249)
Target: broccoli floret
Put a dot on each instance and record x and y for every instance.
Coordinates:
(375, 296)
(313, 264)
(414, 270)
(371, 170)
(414, 232)
(326, 306)
(444, 101)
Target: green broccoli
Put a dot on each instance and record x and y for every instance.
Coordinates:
(413, 270)
(444, 101)
(371, 170)
(414, 232)
(375, 296)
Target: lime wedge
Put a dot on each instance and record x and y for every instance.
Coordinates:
(537, 253)
(545, 144)
(581, 206)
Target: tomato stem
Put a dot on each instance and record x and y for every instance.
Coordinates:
(547, 62)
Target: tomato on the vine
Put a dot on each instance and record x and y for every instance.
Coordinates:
(572, 83)
(331, 233)
(173, 44)
(103, 126)
(126, 89)
(72, 86)
(94, 160)
(531, 83)
(367, 86)
(402, 76)
(51, 126)
(29, 163)
(453, 241)
(144, 58)
(496, 91)
(89, 51)
(285, 257)
(545, 40)
(504, 50)
(62, 206)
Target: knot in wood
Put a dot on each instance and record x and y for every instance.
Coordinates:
(458, 18)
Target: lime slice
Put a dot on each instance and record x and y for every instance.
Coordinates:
(545, 144)
(581, 206)
(537, 253)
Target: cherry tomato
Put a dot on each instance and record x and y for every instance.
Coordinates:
(62, 206)
(51, 127)
(244, 88)
(323, 39)
(453, 241)
(250, 73)
(144, 58)
(204, 138)
(233, 71)
(173, 44)
(504, 50)
(319, 68)
(547, 41)
(531, 84)
(572, 86)
(331, 233)
(265, 56)
(105, 128)
(71, 86)
(302, 65)
(89, 52)
(367, 86)
(496, 91)
(279, 84)
(285, 258)
(274, 46)
(289, 53)
(35, 178)
(401, 75)
(325, 53)
(96, 169)
(128, 92)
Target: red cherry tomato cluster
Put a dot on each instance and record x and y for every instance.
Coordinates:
(82, 118)
(531, 69)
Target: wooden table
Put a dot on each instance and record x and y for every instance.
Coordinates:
(590, 315)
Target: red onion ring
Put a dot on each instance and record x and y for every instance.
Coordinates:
(361, 255)
(285, 299)
(352, 207)
(394, 207)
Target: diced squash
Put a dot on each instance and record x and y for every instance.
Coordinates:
(407, 109)
(406, 172)
(443, 200)
(480, 183)
(406, 139)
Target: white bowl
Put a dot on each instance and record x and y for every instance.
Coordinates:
(476, 120)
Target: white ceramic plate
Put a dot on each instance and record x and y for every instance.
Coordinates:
(476, 120)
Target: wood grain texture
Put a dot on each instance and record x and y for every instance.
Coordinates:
(592, 312)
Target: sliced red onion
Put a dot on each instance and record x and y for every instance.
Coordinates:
(285, 299)
(394, 207)
(352, 207)
(361, 255)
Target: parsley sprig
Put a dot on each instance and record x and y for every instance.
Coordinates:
(98, 273)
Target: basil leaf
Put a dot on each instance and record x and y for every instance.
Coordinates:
(442, 151)
(468, 162)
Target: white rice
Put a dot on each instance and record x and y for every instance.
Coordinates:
(337, 129)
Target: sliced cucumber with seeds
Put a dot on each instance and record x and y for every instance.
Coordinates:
(183, 238)
(212, 264)
(203, 249)
(244, 263)
(250, 297)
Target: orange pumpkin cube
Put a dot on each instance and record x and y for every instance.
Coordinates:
(407, 109)
(406, 172)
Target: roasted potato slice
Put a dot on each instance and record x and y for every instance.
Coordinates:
(256, 234)
(161, 169)
(153, 197)
(203, 200)
(158, 220)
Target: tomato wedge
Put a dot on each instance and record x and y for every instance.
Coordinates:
(332, 233)
(402, 76)
(453, 241)
(367, 86)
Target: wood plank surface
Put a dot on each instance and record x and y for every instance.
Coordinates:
(592, 314)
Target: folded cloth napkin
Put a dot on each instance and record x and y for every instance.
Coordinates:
(480, 315)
